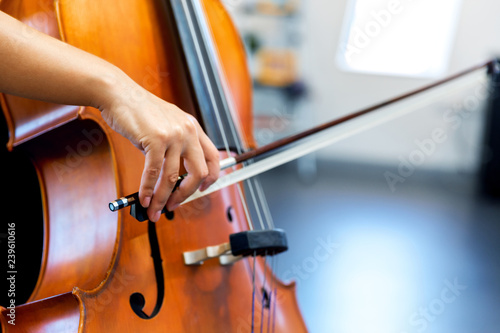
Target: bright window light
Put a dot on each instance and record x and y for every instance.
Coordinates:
(398, 37)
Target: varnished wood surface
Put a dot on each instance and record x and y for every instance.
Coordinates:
(58, 314)
(33, 118)
(101, 258)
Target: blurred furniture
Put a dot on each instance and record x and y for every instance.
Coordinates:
(490, 172)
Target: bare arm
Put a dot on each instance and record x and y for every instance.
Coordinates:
(36, 66)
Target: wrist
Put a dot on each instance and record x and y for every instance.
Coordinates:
(109, 88)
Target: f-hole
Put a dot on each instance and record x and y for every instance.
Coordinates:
(137, 300)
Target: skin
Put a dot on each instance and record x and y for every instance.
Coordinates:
(60, 73)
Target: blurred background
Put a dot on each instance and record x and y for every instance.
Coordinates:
(395, 229)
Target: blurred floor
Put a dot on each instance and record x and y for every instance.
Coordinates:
(425, 258)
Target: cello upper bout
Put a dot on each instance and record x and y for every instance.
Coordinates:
(26, 118)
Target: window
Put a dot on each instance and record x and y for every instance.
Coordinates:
(398, 37)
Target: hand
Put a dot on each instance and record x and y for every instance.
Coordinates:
(60, 73)
(165, 134)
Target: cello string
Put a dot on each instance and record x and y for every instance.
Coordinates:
(250, 183)
(242, 199)
(253, 291)
(257, 207)
(211, 93)
(228, 106)
(213, 63)
(263, 295)
(222, 86)
(262, 209)
(201, 61)
(275, 301)
(271, 298)
(245, 208)
(225, 109)
(265, 206)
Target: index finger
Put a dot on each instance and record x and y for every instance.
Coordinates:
(150, 174)
(212, 159)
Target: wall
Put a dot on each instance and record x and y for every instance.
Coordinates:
(334, 92)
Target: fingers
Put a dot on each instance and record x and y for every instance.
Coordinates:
(166, 182)
(161, 170)
(150, 175)
(212, 159)
(201, 161)
(196, 167)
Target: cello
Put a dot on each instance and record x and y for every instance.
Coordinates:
(105, 272)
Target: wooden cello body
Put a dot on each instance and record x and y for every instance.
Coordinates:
(93, 260)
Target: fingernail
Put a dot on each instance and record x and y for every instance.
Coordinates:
(147, 201)
(156, 217)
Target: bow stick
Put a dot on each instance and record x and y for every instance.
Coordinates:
(319, 137)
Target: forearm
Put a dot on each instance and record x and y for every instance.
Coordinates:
(37, 66)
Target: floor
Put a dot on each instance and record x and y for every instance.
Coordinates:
(422, 258)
